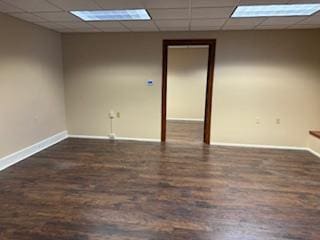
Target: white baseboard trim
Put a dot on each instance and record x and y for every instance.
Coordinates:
(213, 144)
(259, 146)
(186, 119)
(314, 152)
(22, 154)
(266, 147)
(117, 138)
(88, 137)
(138, 139)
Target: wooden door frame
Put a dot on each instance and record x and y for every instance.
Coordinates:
(209, 88)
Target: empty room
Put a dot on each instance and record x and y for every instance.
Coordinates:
(160, 119)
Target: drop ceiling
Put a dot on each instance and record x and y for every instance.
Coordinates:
(167, 15)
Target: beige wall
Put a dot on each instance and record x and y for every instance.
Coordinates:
(106, 72)
(258, 74)
(267, 75)
(187, 75)
(31, 85)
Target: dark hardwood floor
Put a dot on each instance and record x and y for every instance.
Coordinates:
(190, 132)
(95, 190)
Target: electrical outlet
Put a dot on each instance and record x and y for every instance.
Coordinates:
(118, 114)
(258, 120)
(112, 114)
(112, 136)
(278, 120)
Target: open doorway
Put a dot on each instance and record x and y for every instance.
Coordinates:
(187, 84)
(186, 93)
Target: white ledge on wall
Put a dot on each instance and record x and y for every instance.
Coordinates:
(258, 146)
(314, 152)
(117, 138)
(16, 157)
(186, 119)
(266, 147)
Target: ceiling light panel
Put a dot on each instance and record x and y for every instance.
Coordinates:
(276, 10)
(113, 15)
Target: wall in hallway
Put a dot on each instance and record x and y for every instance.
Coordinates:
(187, 76)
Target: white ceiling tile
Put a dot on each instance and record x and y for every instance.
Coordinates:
(33, 5)
(261, 27)
(311, 20)
(304, 1)
(84, 30)
(140, 25)
(58, 16)
(55, 27)
(316, 14)
(109, 26)
(298, 26)
(223, 12)
(166, 3)
(149, 4)
(208, 22)
(8, 8)
(275, 21)
(75, 25)
(208, 28)
(214, 3)
(263, 1)
(237, 27)
(114, 30)
(28, 17)
(176, 29)
(169, 13)
(50, 25)
(106, 24)
(62, 30)
(120, 4)
(69, 5)
(144, 30)
(244, 21)
(172, 23)
(65, 30)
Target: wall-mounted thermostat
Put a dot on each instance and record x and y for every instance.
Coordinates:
(149, 83)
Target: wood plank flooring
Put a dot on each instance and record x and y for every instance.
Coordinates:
(190, 132)
(95, 190)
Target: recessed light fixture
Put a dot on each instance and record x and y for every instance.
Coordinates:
(113, 15)
(277, 10)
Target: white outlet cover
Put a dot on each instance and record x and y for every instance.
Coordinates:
(112, 136)
(112, 114)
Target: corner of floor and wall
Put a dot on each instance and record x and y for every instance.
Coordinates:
(52, 85)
